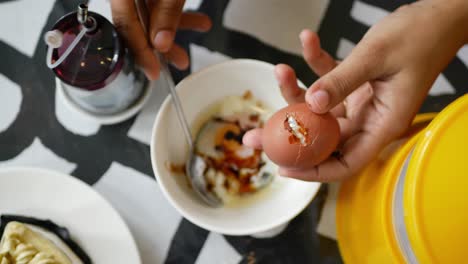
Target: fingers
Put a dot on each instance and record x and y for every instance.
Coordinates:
(352, 111)
(195, 21)
(332, 88)
(128, 24)
(164, 20)
(318, 60)
(287, 81)
(253, 138)
(339, 110)
(356, 153)
(178, 57)
(348, 128)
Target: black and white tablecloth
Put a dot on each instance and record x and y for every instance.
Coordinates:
(38, 130)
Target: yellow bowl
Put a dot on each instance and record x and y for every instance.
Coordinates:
(410, 204)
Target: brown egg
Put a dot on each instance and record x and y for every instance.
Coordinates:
(295, 137)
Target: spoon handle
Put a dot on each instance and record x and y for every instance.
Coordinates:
(144, 20)
(175, 99)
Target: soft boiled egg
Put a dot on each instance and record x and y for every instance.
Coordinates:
(295, 137)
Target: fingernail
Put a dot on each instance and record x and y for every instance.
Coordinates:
(151, 75)
(301, 38)
(248, 140)
(163, 40)
(318, 100)
(252, 139)
(277, 70)
(181, 66)
(204, 27)
(281, 172)
(284, 172)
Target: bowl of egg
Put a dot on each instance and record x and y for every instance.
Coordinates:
(233, 97)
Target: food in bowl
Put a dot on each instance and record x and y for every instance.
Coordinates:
(233, 170)
(27, 240)
(296, 137)
(253, 213)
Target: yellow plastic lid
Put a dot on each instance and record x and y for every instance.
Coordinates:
(436, 189)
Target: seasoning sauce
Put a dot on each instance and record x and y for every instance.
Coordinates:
(237, 168)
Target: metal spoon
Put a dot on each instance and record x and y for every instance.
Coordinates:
(196, 165)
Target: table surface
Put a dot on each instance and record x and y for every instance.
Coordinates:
(37, 130)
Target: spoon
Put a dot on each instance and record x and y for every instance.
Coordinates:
(196, 165)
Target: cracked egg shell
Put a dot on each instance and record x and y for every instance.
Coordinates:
(296, 138)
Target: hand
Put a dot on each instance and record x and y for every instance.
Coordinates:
(377, 90)
(165, 18)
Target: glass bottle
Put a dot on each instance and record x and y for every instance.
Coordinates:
(95, 68)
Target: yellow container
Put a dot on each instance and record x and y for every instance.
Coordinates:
(411, 204)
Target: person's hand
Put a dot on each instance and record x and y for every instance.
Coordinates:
(377, 90)
(165, 18)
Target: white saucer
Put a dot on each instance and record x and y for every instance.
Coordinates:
(105, 119)
(93, 223)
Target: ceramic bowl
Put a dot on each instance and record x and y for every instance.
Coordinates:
(268, 209)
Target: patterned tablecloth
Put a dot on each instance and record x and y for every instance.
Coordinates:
(38, 130)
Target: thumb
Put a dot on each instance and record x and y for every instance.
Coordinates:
(165, 16)
(333, 87)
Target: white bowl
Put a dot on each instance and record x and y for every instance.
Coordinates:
(266, 210)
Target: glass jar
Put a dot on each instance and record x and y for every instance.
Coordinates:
(98, 73)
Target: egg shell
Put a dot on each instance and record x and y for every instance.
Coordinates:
(322, 135)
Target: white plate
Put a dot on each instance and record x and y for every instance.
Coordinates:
(266, 210)
(93, 223)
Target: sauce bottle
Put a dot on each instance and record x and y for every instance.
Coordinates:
(92, 63)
